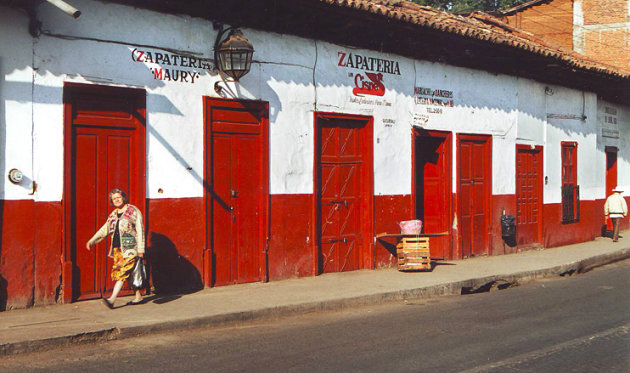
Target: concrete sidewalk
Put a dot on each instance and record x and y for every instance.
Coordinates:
(47, 327)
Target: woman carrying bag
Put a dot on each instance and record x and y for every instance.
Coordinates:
(127, 246)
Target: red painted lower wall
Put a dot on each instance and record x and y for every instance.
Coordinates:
(388, 211)
(555, 233)
(31, 234)
(176, 239)
(16, 254)
(48, 234)
(30, 253)
(291, 245)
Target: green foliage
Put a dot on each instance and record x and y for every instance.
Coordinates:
(458, 6)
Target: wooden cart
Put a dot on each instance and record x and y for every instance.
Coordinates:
(413, 250)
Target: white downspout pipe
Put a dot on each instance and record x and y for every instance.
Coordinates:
(66, 8)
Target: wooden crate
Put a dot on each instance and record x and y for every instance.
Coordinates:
(413, 254)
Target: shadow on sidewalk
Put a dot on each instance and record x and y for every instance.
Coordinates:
(171, 274)
(156, 298)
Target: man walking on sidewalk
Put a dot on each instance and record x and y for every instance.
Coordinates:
(616, 208)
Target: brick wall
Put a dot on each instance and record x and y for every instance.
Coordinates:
(550, 21)
(607, 46)
(599, 12)
(604, 34)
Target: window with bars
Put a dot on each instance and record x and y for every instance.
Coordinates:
(570, 189)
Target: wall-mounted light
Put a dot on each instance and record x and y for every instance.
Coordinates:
(15, 176)
(233, 55)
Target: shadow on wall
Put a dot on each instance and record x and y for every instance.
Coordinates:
(3, 294)
(169, 271)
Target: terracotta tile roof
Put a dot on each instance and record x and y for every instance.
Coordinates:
(480, 26)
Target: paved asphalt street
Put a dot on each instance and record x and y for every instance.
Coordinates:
(565, 324)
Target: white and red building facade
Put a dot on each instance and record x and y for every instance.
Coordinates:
(290, 172)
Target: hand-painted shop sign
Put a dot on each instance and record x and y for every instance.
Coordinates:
(371, 84)
(370, 81)
(389, 122)
(171, 66)
(435, 97)
(367, 63)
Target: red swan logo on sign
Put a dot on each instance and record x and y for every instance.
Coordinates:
(371, 84)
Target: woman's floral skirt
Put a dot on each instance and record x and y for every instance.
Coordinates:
(122, 266)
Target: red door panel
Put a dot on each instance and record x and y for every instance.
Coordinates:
(478, 201)
(87, 195)
(341, 194)
(611, 170)
(105, 150)
(466, 197)
(611, 176)
(528, 195)
(238, 189)
(474, 194)
(350, 219)
(247, 202)
(221, 205)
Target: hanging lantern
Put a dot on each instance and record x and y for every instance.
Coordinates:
(233, 56)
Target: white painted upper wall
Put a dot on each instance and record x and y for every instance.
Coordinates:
(297, 77)
(614, 131)
(571, 117)
(16, 124)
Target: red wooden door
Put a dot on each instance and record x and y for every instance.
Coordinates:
(474, 194)
(611, 176)
(570, 190)
(105, 150)
(341, 193)
(611, 169)
(432, 189)
(238, 192)
(528, 195)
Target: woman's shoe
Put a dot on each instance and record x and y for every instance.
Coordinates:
(109, 305)
(134, 302)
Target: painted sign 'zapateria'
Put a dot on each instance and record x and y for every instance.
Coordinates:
(367, 63)
(371, 82)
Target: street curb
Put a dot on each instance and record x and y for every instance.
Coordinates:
(468, 286)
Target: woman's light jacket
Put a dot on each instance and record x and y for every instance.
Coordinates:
(130, 230)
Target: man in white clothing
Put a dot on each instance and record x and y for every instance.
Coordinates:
(616, 208)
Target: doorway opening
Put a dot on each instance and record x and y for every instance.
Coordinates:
(236, 191)
(431, 187)
(104, 148)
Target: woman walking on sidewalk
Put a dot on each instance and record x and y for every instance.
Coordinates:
(616, 208)
(125, 223)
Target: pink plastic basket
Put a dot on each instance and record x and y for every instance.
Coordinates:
(410, 226)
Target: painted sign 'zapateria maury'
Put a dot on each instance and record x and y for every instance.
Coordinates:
(371, 81)
(175, 62)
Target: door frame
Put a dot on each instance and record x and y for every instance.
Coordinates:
(540, 153)
(208, 254)
(487, 163)
(447, 137)
(67, 255)
(367, 256)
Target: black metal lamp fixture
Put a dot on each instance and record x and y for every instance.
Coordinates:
(233, 55)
